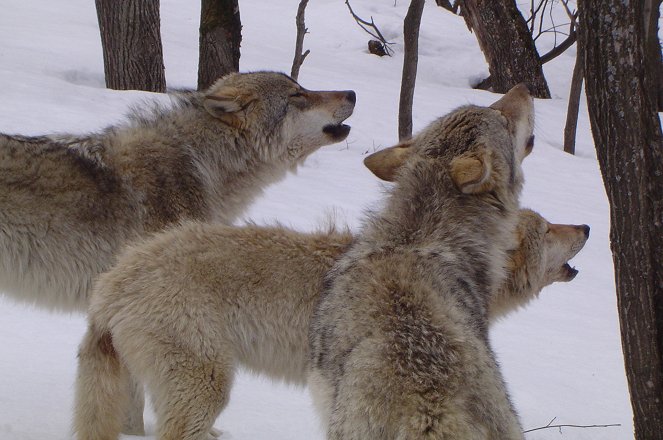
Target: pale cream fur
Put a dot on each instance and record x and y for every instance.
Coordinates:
(267, 275)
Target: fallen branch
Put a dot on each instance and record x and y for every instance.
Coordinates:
(377, 34)
(550, 425)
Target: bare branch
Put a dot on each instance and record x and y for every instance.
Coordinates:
(573, 16)
(364, 24)
(538, 12)
(559, 49)
(299, 45)
(550, 425)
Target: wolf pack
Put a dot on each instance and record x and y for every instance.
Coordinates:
(388, 326)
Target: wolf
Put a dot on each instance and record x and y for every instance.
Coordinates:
(540, 259)
(69, 203)
(265, 283)
(399, 345)
(181, 310)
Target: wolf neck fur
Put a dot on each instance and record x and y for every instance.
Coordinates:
(230, 174)
(420, 218)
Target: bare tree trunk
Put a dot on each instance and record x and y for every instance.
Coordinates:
(131, 43)
(220, 39)
(299, 44)
(650, 19)
(574, 104)
(410, 59)
(629, 146)
(507, 44)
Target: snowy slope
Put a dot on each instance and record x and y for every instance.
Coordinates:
(561, 357)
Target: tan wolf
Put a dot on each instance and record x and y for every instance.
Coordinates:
(262, 284)
(69, 203)
(399, 340)
(540, 259)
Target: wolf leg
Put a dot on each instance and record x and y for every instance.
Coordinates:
(191, 395)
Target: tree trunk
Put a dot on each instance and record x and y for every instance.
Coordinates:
(220, 39)
(410, 59)
(650, 20)
(574, 104)
(131, 43)
(507, 45)
(300, 55)
(629, 146)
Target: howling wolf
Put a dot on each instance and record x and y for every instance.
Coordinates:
(68, 203)
(183, 308)
(258, 287)
(399, 340)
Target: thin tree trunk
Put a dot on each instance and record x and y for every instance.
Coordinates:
(299, 43)
(629, 146)
(410, 60)
(131, 43)
(574, 104)
(220, 39)
(507, 44)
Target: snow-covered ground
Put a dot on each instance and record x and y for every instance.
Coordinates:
(561, 357)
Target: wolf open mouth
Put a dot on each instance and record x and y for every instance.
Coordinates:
(571, 272)
(338, 132)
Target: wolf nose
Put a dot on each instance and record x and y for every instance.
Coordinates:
(585, 229)
(351, 96)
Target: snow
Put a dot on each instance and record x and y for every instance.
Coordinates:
(561, 357)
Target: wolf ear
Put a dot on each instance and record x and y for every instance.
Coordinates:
(473, 173)
(225, 102)
(386, 163)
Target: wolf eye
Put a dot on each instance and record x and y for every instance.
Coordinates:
(297, 95)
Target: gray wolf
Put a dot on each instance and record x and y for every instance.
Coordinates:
(399, 340)
(262, 284)
(69, 203)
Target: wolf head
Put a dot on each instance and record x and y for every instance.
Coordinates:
(272, 105)
(540, 259)
(480, 147)
(553, 244)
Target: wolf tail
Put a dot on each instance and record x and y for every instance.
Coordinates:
(103, 388)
